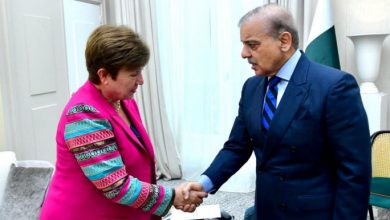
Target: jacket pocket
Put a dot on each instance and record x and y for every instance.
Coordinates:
(315, 202)
(305, 125)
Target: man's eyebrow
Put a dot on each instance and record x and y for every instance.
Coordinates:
(251, 42)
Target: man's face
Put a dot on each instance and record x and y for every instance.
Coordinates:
(260, 48)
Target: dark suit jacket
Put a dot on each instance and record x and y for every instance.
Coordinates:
(315, 160)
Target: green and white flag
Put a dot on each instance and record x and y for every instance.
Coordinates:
(322, 45)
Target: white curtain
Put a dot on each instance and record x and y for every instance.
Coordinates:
(203, 73)
(139, 15)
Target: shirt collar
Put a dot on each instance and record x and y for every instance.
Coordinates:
(287, 69)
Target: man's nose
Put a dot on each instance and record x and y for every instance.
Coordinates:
(245, 53)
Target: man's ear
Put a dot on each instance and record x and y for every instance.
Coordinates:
(103, 76)
(286, 41)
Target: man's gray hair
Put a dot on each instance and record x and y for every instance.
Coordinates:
(279, 20)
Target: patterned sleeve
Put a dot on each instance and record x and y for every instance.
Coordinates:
(91, 139)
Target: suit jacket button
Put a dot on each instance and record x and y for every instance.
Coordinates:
(261, 167)
(293, 149)
(283, 206)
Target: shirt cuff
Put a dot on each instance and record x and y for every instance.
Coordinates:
(206, 183)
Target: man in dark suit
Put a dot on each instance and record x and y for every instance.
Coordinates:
(306, 124)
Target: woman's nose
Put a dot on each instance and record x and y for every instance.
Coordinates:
(140, 79)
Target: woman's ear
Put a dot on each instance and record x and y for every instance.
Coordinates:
(103, 76)
(286, 41)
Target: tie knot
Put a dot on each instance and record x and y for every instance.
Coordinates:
(273, 81)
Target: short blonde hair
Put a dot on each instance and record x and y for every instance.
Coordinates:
(113, 48)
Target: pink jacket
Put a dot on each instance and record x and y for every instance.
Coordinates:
(114, 156)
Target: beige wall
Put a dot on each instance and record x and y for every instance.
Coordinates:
(353, 17)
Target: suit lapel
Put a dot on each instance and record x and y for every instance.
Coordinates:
(129, 133)
(136, 120)
(257, 107)
(296, 92)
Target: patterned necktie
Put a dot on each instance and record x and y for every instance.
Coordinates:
(270, 102)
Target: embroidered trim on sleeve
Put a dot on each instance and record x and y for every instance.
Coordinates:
(81, 108)
(93, 144)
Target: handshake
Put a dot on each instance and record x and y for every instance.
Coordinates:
(188, 196)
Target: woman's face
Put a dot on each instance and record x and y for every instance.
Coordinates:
(124, 86)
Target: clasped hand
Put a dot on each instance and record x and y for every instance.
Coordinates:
(188, 196)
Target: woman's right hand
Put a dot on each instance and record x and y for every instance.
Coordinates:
(188, 196)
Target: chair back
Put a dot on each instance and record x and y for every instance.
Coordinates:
(380, 183)
(25, 189)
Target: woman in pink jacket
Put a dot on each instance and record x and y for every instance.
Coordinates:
(105, 165)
